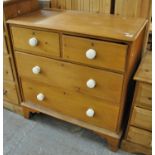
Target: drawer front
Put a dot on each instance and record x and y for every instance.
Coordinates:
(36, 42)
(73, 104)
(108, 55)
(7, 71)
(107, 85)
(140, 136)
(9, 92)
(144, 95)
(142, 118)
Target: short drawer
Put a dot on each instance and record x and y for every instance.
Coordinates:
(36, 42)
(94, 82)
(140, 136)
(144, 95)
(142, 118)
(10, 92)
(94, 52)
(74, 104)
(7, 70)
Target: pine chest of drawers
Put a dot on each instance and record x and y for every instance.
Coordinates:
(76, 66)
(138, 136)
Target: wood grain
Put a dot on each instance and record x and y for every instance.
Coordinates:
(142, 118)
(5, 50)
(144, 72)
(10, 92)
(48, 42)
(13, 107)
(140, 136)
(133, 58)
(96, 6)
(109, 55)
(7, 70)
(143, 96)
(132, 8)
(14, 8)
(73, 104)
(72, 77)
(81, 23)
(135, 148)
(104, 132)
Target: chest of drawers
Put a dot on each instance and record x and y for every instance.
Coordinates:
(76, 66)
(139, 131)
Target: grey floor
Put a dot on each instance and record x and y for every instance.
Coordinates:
(44, 135)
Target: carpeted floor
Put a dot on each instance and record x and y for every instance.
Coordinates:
(44, 135)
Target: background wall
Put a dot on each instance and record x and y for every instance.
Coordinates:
(45, 3)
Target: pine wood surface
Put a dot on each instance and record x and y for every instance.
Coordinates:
(7, 70)
(144, 72)
(135, 148)
(133, 57)
(142, 118)
(143, 96)
(74, 76)
(13, 107)
(73, 104)
(126, 8)
(5, 50)
(96, 6)
(132, 8)
(9, 92)
(14, 8)
(140, 136)
(108, 55)
(48, 42)
(81, 23)
(138, 133)
(127, 32)
(112, 138)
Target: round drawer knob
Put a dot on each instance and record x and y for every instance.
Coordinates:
(33, 42)
(90, 112)
(40, 97)
(90, 54)
(91, 83)
(36, 70)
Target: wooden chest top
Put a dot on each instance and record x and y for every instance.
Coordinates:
(98, 25)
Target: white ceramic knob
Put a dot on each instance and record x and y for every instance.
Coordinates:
(91, 83)
(90, 112)
(33, 42)
(40, 97)
(91, 54)
(36, 70)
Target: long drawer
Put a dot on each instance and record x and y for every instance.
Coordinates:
(99, 83)
(7, 70)
(142, 118)
(10, 92)
(140, 136)
(73, 104)
(95, 53)
(35, 41)
(144, 95)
